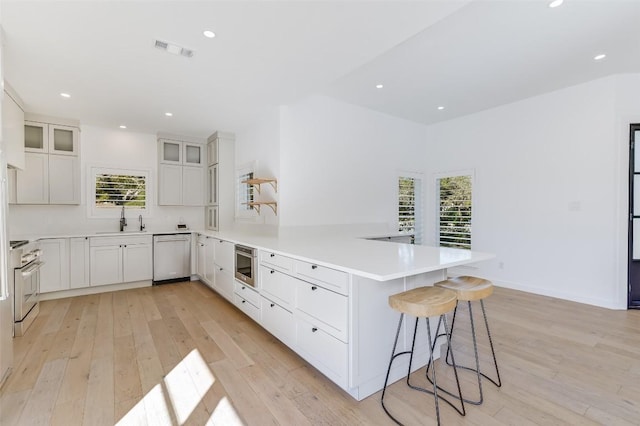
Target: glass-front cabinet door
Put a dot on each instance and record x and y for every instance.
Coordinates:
(170, 151)
(63, 140)
(36, 137)
(192, 154)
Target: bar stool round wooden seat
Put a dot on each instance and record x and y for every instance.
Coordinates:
(471, 289)
(424, 302)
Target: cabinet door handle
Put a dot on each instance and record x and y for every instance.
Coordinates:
(243, 287)
(243, 301)
(314, 329)
(273, 272)
(313, 288)
(272, 305)
(272, 255)
(314, 266)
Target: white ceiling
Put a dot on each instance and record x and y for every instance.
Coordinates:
(465, 55)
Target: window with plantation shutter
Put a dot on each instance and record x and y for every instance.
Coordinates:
(454, 212)
(112, 189)
(410, 207)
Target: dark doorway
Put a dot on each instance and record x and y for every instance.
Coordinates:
(634, 218)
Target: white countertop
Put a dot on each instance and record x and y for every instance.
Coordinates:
(377, 260)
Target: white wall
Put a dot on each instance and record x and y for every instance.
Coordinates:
(549, 175)
(260, 144)
(339, 163)
(109, 148)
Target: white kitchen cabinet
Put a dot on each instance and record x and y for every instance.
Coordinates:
(120, 259)
(252, 310)
(192, 186)
(220, 181)
(169, 185)
(54, 274)
(181, 179)
(211, 218)
(277, 286)
(48, 179)
(201, 256)
(212, 151)
(32, 183)
(278, 321)
(13, 130)
(79, 268)
(106, 265)
(64, 179)
(323, 306)
(137, 262)
(209, 268)
(51, 138)
(212, 185)
(224, 254)
(323, 351)
(224, 282)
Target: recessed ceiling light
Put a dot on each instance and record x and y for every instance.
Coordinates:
(168, 114)
(599, 57)
(209, 34)
(555, 3)
(440, 108)
(379, 86)
(65, 95)
(123, 127)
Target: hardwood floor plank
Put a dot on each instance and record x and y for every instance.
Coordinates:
(251, 409)
(100, 401)
(233, 352)
(39, 408)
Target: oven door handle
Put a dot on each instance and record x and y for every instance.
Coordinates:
(31, 269)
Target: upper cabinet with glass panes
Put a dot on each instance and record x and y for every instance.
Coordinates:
(181, 153)
(50, 138)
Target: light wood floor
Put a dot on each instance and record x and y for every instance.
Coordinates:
(179, 354)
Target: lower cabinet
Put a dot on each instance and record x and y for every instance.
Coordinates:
(325, 352)
(247, 307)
(79, 253)
(224, 283)
(201, 259)
(120, 259)
(278, 321)
(54, 274)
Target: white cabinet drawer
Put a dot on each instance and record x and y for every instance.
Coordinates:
(276, 260)
(247, 307)
(326, 277)
(278, 286)
(247, 292)
(119, 240)
(278, 321)
(325, 306)
(323, 351)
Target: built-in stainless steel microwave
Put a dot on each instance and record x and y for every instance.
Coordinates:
(246, 268)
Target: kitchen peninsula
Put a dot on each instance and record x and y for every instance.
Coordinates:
(326, 297)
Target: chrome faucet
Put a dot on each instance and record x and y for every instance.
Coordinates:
(123, 221)
(142, 226)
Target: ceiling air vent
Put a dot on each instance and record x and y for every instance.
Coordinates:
(174, 49)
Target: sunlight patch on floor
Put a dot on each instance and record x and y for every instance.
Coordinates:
(180, 392)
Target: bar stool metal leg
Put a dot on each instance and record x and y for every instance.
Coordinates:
(393, 357)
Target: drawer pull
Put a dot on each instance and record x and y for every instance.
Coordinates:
(273, 272)
(244, 288)
(314, 329)
(272, 305)
(243, 301)
(314, 266)
(272, 255)
(313, 287)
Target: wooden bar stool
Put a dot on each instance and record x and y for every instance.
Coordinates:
(470, 289)
(424, 302)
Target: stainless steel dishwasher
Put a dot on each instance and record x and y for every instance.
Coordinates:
(171, 257)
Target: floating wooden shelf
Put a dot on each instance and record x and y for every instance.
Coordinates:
(257, 182)
(258, 204)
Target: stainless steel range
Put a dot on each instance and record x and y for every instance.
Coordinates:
(26, 263)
